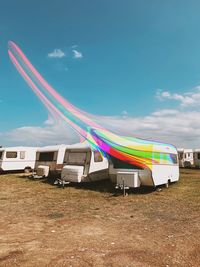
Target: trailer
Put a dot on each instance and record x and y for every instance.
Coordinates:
(196, 156)
(186, 157)
(17, 159)
(82, 164)
(162, 172)
(49, 161)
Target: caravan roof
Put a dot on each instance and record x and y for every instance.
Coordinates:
(52, 148)
(180, 149)
(17, 148)
(188, 150)
(84, 145)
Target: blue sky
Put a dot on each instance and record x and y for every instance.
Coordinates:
(119, 58)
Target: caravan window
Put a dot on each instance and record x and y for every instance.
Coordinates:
(11, 154)
(174, 158)
(97, 156)
(46, 156)
(77, 158)
(1, 154)
(22, 154)
(198, 155)
(120, 164)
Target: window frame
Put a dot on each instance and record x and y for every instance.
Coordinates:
(14, 152)
(100, 158)
(46, 160)
(79, 163)
(22, 154)
(1, 154)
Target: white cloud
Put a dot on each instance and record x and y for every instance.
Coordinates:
(49, 134)
(74, 46)
(171, 126)
(181, 128)
(124, 114)
(188, 99)
(178, 126)
(165, 112)
(49, 121)
(56, 53)
(77, 54)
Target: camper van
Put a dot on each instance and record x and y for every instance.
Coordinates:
(123, 174)
(186, 157)
(82, 164)
(196, 156)
(17, 158)
(49, 160)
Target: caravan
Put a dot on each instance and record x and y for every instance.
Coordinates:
(49, 160)
(162, 172)
(17, 158)
(82, 164)
(186, 158)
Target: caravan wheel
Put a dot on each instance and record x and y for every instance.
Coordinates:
(187, 164)
(27, 170)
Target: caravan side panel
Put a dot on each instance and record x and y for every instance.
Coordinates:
(60, 157)
(161, 174)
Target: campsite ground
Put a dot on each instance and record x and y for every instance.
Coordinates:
(89, 225)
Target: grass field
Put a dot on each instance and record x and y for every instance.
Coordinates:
(90, 225)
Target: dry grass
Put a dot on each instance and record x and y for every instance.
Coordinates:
(89, 225)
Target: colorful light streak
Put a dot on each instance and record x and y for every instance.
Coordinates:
(138, 152)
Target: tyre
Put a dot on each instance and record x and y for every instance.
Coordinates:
(27, 170)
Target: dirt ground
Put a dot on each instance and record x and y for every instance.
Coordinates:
(90, 225)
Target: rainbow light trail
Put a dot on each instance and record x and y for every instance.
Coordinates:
(138, 152)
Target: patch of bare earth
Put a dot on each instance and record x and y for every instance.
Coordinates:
(89, 225)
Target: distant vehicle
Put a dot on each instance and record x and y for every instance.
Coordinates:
(49, 160)
(17, 158)
(186, 157)
(162, 172)
(82, 164)
(196, 158)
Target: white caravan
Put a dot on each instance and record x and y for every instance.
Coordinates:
(17, 158)
(82, 164)
(129, 176)
(186, 157)
(49, 160)
(196, 156)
